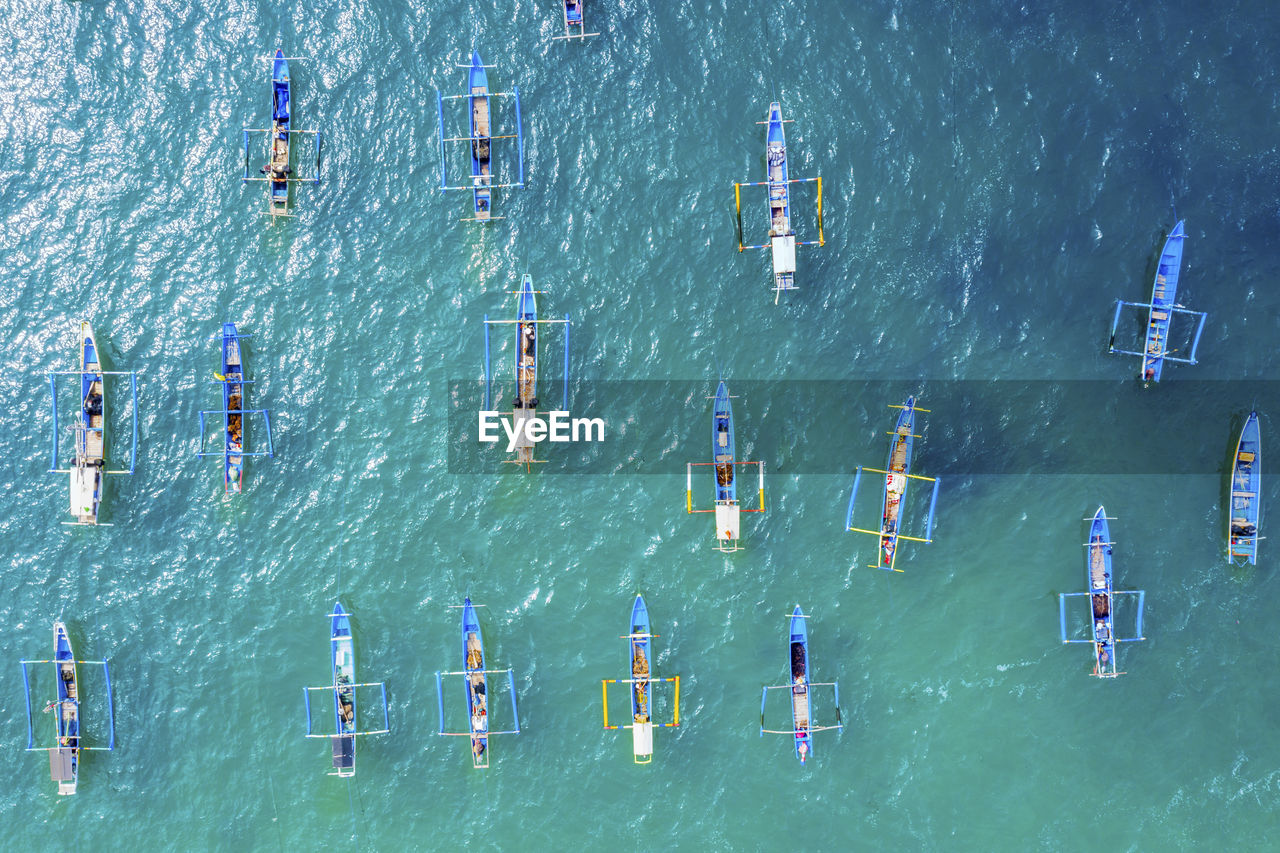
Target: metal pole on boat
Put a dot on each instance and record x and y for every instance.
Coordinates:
(440, 113)
(821, 240)
(511, 682)
(519, 134)
(764, 696)
(676, 718)
(933, 503)
(1195, 343)
(316, 182)
(306, 701)
(111, 713)
(604, 700)
(737, 200)
(440, 702)
(688, 486)
(245, 177)
(1141, 598)
(486, 362)
(564, 405)
(26, 690)
(848, 519)
(133, 454)
(53, 395)
(386, 720)
(1062, 617)
(1115, 321)
(271, 450)
(761, 464)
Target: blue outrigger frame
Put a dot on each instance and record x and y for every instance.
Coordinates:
(1245, 516)
(482, 184)
(84, 422)
(279, 140)
(342, 662)
(898, 465)
(782, 237)
(64, 757)
(232, 381)
(476, 676)
(525, 403)
(723, 461)
(1160, 311)
(1101, 595)
(800, 688)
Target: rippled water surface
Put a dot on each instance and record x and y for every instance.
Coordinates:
(994, 177)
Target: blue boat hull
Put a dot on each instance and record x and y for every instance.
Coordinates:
(476, 685)
(342, 658)
(1098, 580)
(281, 121)
(1245, 516)
(640, 663)
(898, 464)
(479, 123)
(801, 709)
(233, 434)
(1164, 296)
(722, 446)
(68, 707)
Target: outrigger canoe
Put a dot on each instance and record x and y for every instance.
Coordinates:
(722, 454)
(1160, 311)
(481, 174)
(233, 411)
(781, 236)
(344, 698)
(88, 483)
(477, 692)
(641, 713)
(64, 759)
(525, 404)
(279, 168)
(1101, 596)
(800, 685)
(895, 482)
(1246, 484)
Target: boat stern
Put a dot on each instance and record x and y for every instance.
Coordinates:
(728, 525)
(642, 742)
(62, 769)
(783, 248)
(86, 493)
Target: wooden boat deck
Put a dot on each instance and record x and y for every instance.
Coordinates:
(800, 705)
(1098, 566)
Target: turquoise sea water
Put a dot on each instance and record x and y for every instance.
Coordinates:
(994, 177)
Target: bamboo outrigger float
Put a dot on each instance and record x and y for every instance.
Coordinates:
(724, 460)
(68, 719)
(235, 435)
(342, 657)
(800, 688)
(524, 405)
(1160, 311)
(1101, 595)
(480, 138)
(782, 235)
(1246, 486)
(897, 475)
(278, 173)
(88, 468)
(574, 25)
(642, 682)
(474, 678)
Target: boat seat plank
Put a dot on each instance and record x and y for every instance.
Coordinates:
(1236, 494)
(1245, 456)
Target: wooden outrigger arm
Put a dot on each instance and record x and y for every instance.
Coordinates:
(933, 503)
(764, 697)
(386, 722)
(1062, 613)
(604, 695)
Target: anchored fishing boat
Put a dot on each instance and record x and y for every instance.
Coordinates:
(782, 236)
(475, 679)
(897, 475)
(234, 435)
(89, 466)
(1246, 486)
(69, 724)
(278, 173)
(723, 459)
(1102, 596)
(346, 728)
(800, 688)
(642, 682)
(574, 26)
(1160, 311)
(480, 138)
(524, 406)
